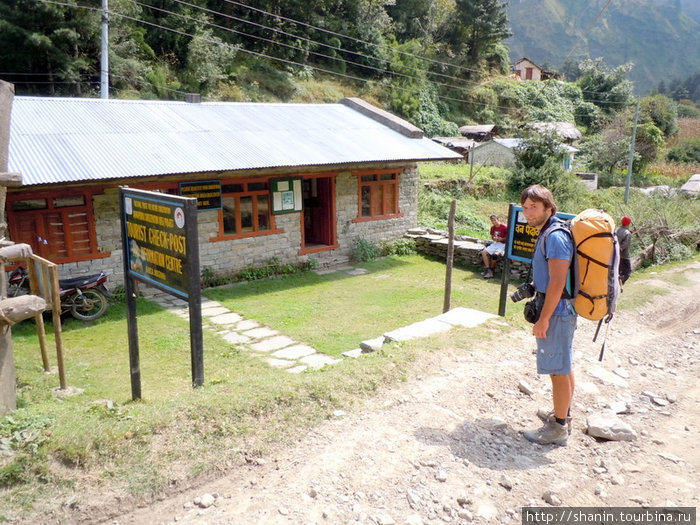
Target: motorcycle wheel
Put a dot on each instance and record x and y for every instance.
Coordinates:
(90, 305)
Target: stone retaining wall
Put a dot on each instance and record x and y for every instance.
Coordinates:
(467, 250)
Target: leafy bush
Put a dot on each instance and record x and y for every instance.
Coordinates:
(686, 151)
(688, 109)
(661, 111)
(535, 151)
(403, 246)
(669, 250)
(547, 175)
(364, 250)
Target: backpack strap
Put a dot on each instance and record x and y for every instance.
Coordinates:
(592, 298)
(607, 320)
(553, 225)
(596, 261)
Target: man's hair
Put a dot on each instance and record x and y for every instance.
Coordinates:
(494, 216)
(539, 193)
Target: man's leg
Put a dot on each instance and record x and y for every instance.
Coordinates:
(485, 258)
(553, 431)
(562, 394)
(572, 385)
(559, 336)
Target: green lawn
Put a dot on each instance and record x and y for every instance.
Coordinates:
(244, 404)
(334, 312)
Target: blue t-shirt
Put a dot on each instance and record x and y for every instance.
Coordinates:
(559, 246)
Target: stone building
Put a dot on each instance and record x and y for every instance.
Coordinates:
(285, 181)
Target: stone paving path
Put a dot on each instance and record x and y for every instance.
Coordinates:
(281, 351)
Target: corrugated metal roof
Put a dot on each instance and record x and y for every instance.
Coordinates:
(58, 140)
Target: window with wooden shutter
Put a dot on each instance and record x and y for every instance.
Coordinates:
(378, 195)
(58, 228)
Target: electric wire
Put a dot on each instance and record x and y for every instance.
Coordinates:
(291, 62)
(383, 71)
(348, 37)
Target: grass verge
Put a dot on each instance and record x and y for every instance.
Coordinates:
(55, 449)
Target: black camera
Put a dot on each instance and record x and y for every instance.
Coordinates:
(524, 291)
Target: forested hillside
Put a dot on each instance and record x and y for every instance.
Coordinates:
(660, 37)
(440, 64)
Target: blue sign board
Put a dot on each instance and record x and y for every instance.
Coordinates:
(522, 236)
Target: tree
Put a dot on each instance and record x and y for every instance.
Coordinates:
(605, 151)
(534, 151)
(50, 49)
(411, 19)
(661, 111)
(608, 89)
(647, 142)
(477, 27)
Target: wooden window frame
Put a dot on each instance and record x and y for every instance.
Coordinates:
(63, 212)
(373, 186)
(237, 196)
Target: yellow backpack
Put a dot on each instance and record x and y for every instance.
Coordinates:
(594, 271)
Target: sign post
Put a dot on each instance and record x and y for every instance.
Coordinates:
(160, 248)
(520, 246)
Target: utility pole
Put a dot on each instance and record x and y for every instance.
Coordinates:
(631, 159)
(104, 58)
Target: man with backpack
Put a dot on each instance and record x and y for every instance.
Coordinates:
(556, 322)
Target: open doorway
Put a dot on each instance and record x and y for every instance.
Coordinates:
(318, 217)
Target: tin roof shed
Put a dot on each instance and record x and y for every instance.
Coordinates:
(64, 140)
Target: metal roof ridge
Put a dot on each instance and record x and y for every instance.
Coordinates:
(98, 100)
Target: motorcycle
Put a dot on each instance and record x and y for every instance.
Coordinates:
(86, 297)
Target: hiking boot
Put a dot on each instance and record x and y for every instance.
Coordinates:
(551, 433)
(549, 416)
(488, 274)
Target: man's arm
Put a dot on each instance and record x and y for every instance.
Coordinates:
(558, 268)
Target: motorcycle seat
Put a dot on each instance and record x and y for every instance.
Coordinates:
(74, 282)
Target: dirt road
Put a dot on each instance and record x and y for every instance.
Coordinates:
(448, 448)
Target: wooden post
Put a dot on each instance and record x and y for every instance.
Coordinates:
(58, 334)
(8, 374)
(450, 256)
(39, 317)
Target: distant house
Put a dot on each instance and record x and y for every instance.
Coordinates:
(526, 69)
(497, 152)
(566, 131)
(350, 167)
(461, 145)
(480, 133)
(501, 152)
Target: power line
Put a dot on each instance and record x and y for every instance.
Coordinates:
(348, 37)
(339, 59)
(384, 71)
(289, 62)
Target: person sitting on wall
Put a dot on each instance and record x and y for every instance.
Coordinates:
(496, 249)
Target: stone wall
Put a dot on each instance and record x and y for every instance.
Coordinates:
(232, 255)
(467, 250)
